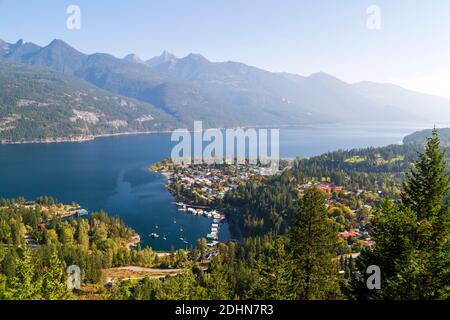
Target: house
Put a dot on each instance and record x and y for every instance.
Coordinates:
(368, 244)
(349, 234)
(325, 186)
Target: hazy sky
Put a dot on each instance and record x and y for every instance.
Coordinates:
(412, 48)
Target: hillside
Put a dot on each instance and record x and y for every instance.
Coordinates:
(41, 105)
(420, 137)
(422, 105)
(232, 93)
(318, 98)
(181, 98)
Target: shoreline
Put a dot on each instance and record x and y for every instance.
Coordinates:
(80, 139)
(88, 138)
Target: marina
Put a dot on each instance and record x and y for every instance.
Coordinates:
(203, 211)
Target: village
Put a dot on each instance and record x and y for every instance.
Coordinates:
(199, 188)
(351, 209)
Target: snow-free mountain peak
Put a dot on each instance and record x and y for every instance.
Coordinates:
(134, 58)
(163, 58)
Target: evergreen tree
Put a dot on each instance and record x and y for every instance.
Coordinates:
(425, 189)
(25, 285)
(427, 183)
(393, 253)
(313, 241)
(54, 285)
(412, 237)
(217, 286)
(149, 290)
(274, 275)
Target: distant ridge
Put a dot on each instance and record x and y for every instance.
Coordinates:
(420, 137)
(224, 94)
(163, 58)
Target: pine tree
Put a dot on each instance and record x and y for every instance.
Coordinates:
(425, 189)
(393, 253)
(313, 241)
(427, 183)
(54, 285)
(217, 286)
(274, 279)
(25, 285)
(412, 237)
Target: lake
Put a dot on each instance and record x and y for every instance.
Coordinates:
(112, 174)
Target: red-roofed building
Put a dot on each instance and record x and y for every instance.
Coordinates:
(348, 234)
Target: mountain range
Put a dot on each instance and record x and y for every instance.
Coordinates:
(170, 92)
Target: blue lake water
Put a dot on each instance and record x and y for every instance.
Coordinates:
(112, 174)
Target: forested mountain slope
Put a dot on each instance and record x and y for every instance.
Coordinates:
(38, 104)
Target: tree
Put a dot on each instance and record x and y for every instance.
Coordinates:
(83, 234)
(181, 287)
(425, 189)
(202, 245)
(8, 264)
(412, 245)
(217, 283)
(313, 242)
(54, 284)
(149, 290)
(274, 279)
(25, 285)
(427, 182)
(393, 253)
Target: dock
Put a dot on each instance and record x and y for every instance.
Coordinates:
(216, 216)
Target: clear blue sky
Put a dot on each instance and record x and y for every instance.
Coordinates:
(411, 49)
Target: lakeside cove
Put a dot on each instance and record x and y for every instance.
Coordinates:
(200, 189)
(203, 204)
